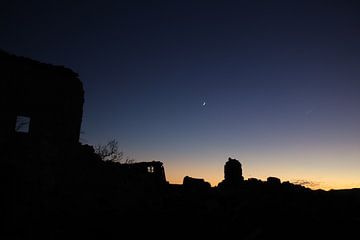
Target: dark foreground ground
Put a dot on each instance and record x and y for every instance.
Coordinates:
(88, 199)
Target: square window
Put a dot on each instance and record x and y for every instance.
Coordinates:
(22, 124)
(150, 169)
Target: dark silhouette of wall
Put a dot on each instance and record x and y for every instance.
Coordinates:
(50, 178)
(273, 180)
(146, 171)
(50, 97)
(195, 184)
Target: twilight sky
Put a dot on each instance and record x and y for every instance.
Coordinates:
(281, 81)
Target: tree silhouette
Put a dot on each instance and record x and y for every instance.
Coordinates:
(110, 152)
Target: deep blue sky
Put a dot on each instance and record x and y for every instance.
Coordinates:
(281, 81)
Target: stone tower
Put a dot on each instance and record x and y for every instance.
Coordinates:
(233, 171)
(232, 174)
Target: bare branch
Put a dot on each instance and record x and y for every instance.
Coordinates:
(110, 152)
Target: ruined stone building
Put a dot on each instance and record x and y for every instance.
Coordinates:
(42, 108)
(48, 176)
(39, 102)
(153, 171)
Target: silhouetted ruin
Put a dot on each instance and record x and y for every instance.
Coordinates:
(42, 108)
(195, 184)
(232, 174)
(41, 102)
(151, 171)
(57, 188)
(46, 169)
(273, 180)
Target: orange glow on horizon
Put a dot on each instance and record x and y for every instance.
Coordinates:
(327, 167)
(312, 185)
(316, 170)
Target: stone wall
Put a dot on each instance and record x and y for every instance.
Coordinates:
(40, 102)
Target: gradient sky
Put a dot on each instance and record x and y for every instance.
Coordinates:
(281, 81)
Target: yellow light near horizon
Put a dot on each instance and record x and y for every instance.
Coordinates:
(323, 170)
